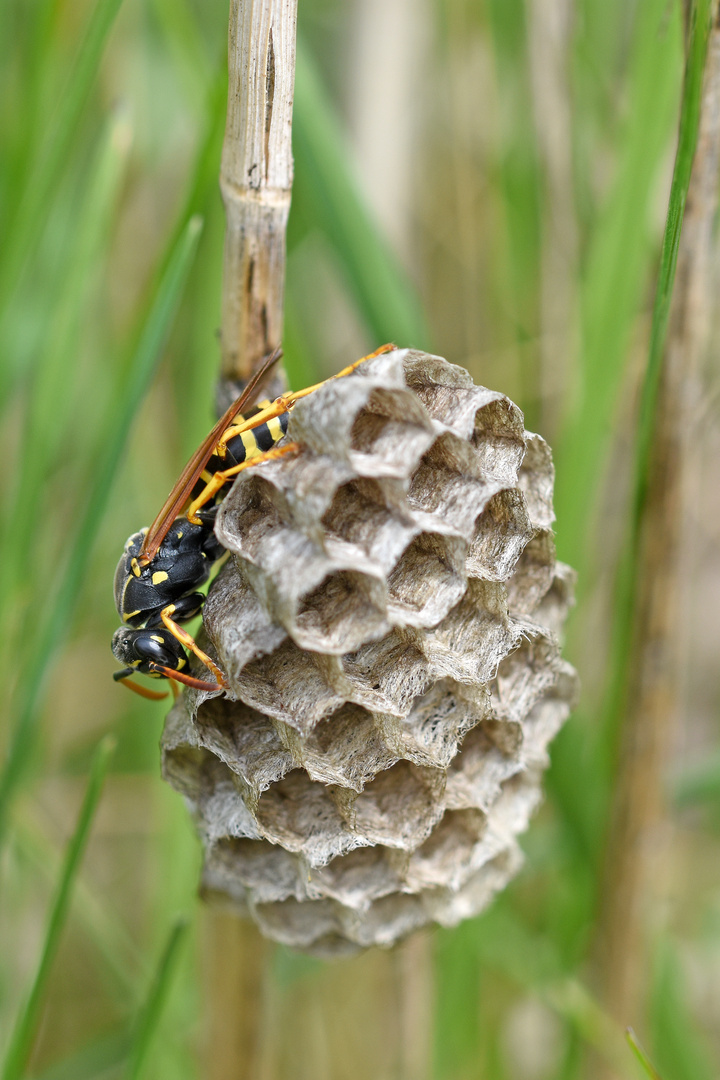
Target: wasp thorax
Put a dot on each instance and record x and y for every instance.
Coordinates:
(388, 625)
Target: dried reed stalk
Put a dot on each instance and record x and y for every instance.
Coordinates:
(256, 179)
(638, 843)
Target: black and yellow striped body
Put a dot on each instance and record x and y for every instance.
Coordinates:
(243, 446)
(161, 568)
(182, 564)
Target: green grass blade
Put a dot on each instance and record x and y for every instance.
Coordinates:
(680, 1048)
(24, 1033)
(521, 188)
(97, 204)
(45, 167)
(151, 1013)
(132, 386)
(120, 953)
(93, 1061)
(640, 1054)
(687, 139)
(617, 265)
(324, 185)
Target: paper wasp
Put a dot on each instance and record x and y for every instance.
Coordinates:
(161, 568)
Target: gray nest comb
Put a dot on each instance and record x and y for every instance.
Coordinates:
(388, 622)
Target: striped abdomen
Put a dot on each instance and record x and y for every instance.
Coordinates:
(244, 447)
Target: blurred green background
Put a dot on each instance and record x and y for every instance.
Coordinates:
(488, 178)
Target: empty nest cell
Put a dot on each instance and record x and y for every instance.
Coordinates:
(194, 771)
(289, 684)
(447, 486)
(552, 610)
(449, 907)
(388, 674)
(469, 643)
(399, 807)
(299, 814)
(536, 480)
(300, 923)
(389, 434)
(346, 748)
(388, 919)
(499, 439)
(484, 763)
(524, 675)
(245, 740)
(533, 574)
(501, 533)
(267, 870)
(368, 518)
(361, 876)
(436, 723)
(443, 860)
(428, 580)
(344, 610)
(253, 517)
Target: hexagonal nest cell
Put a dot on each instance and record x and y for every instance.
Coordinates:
(388, 622)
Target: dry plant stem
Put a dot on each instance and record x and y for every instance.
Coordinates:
(638, 848)
(237, 955)
(415, 973)
(256, 179)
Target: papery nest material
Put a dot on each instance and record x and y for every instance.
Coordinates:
(388, 622)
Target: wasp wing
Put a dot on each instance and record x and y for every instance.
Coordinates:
(180, 493)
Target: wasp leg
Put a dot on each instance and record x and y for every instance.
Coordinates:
(221, 478)
(124, 678)
(189, 642)
(286, 401)
(290, 398)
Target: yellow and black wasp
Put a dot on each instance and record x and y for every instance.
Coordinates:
(162, 568)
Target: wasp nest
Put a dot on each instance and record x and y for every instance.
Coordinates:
(388, 623)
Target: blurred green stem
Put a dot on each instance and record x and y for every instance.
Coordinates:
(644, 691)
(46, 164)
(26, 1026)
(122, 409)
(149, 1019)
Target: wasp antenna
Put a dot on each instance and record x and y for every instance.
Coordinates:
(188, 680)
(136, 688)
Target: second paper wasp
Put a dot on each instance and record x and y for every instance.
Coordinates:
(161, 568)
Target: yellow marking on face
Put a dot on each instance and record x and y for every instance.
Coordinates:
(179, 535)
(134, 663)
(156, 637)
(131, 615)
(182, 662)
(275, 429)
(158, 577)
(134, 566)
